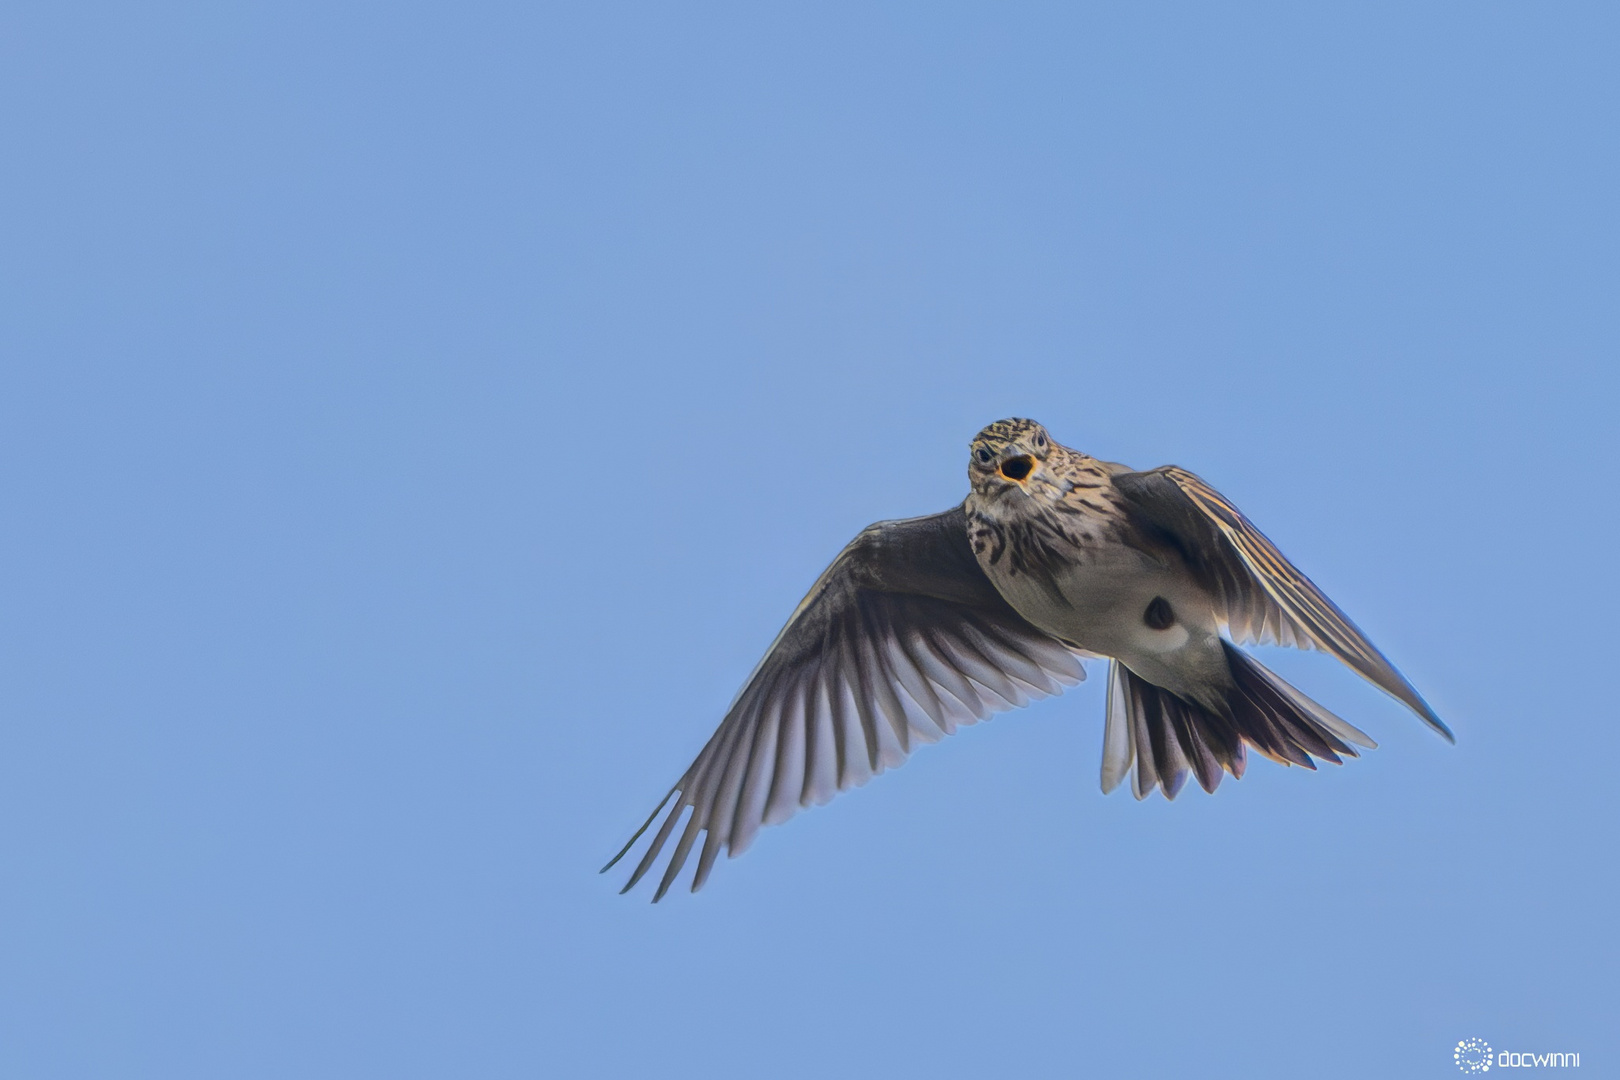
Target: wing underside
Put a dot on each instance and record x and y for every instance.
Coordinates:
(901, 642)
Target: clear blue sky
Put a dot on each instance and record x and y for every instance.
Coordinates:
(416, 421)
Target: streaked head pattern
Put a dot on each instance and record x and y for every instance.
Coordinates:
(1006, 454)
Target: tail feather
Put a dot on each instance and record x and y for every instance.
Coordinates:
(1200, 754)
(1158, 738)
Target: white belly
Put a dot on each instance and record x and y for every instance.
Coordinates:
(1103, 608)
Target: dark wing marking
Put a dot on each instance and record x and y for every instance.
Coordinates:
(1264, 597)
(902, 640)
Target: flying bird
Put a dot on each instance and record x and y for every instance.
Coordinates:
(923, 625)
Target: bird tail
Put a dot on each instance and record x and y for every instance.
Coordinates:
(1158, 738)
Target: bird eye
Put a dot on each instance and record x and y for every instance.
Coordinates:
(983, 455)
(1040, 442)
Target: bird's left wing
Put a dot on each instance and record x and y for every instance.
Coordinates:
(899, 642)
(1264, 597)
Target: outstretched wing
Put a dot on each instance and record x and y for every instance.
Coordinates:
(899, 642)
(1264, 597)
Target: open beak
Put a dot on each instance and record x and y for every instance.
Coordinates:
(1017, 469)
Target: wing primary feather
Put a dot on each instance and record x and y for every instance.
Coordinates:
(705, 790)
(925, 714)
(831, 684)
(787, 783)
(967, 659)
(1018, 681)
(882, 700)
(884, 678)
(718, 807)
(936, 673)
(702, 791)
(862, 732)
(750, 811)
(821, 763)
(695, 788)
(657, 844)
(632, 841)
(943, 672)
(858, 687)
(683, 848)
(1006, 656)
(720, 812)
(1058, 660)
(915, 682)
(706, 857)
(1047, 682)
(923, 728)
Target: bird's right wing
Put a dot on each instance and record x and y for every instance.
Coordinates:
(1263, 596)
(899, 642)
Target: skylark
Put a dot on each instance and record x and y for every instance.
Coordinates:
(923, 625)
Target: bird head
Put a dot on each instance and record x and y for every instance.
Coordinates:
(1006, 454)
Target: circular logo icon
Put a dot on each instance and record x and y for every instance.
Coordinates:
(1473, 1056)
